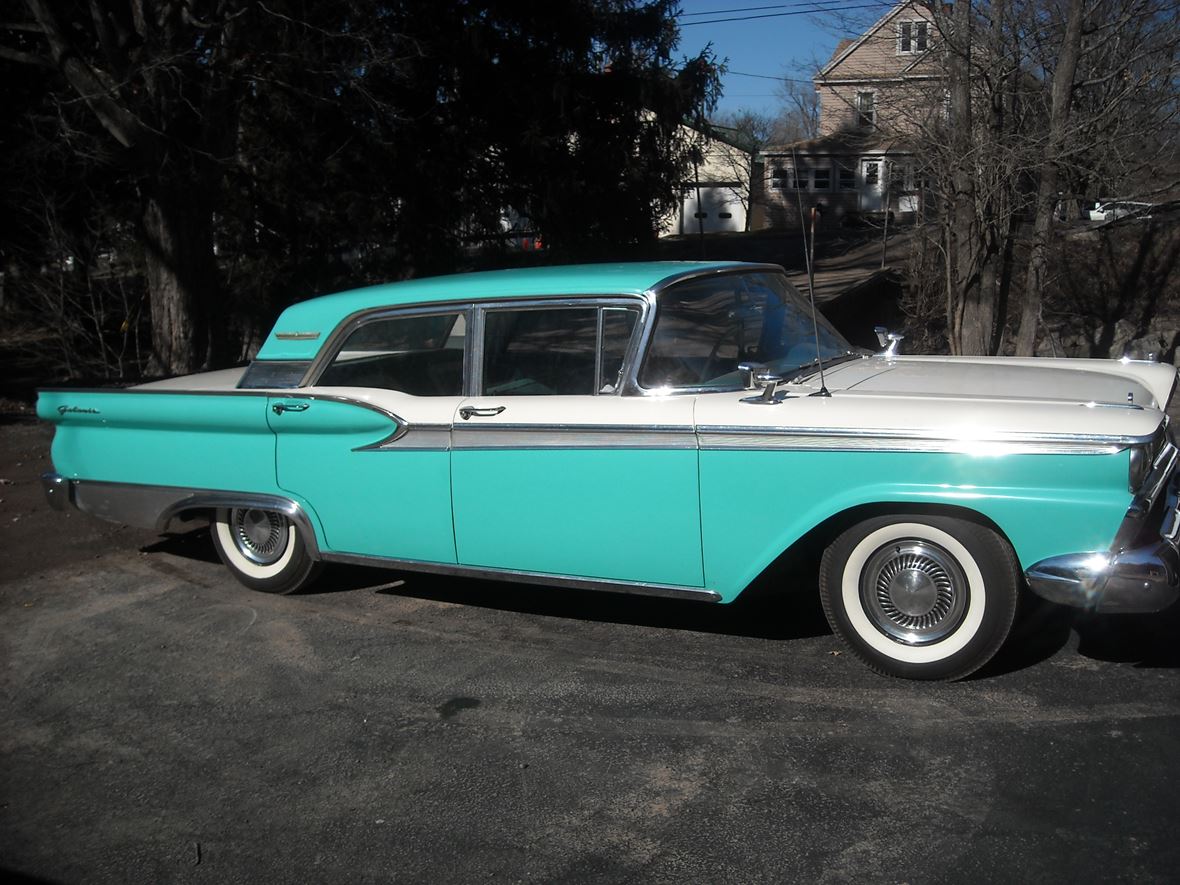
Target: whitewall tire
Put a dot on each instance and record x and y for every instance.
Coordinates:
(920, 596)
(263, 549)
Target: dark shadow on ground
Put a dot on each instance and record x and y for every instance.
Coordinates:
(1041, 630)
(192, 544)
(782, 603)
(1148, 640)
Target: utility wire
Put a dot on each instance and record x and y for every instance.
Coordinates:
(760, 8)
(813, 11)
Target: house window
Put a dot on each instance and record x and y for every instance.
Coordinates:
(912, 37)
(780, 178)
(847, 178)
(866, 108)
(822, 179)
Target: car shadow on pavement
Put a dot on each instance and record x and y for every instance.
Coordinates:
(756, 614)
(192, 544)
(782, 603)
(1148, 641)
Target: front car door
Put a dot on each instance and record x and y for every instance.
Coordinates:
(553, 471)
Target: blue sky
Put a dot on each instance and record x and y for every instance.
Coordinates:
(774, 39)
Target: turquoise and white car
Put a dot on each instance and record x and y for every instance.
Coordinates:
(660, 428)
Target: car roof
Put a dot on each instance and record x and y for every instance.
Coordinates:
(313, 320)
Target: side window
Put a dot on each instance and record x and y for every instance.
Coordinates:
(539, 352)
(555, 350)
(617, 325)
(420, 355)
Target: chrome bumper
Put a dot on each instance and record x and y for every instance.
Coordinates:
(1141, 571)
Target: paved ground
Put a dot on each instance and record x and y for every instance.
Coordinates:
(161, 724)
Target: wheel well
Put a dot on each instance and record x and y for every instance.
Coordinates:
(828, 530)
(205, 508)
(804, 553)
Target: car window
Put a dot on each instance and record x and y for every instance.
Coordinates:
(706, 328)
(540, 351)
(618, 324)
(556, 350)
(420, 355)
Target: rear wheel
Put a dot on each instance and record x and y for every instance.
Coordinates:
(263, 549)
(922, 597)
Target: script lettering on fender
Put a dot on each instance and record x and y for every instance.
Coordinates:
(76, 410)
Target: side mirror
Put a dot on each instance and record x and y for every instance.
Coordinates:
(890, 341)
(747, 372)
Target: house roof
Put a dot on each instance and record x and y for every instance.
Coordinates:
(850, 46)
(846, 141)
(319, 316)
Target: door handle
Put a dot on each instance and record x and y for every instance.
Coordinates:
(471, 411)
(279, 408)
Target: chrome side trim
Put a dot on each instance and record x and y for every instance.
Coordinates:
(670, 591)
(731, 437)
(569, 436)
(155, 507)
(297, 336)
(420, 437)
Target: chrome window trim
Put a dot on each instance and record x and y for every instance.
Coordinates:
(598, 302)
(335, 341)
(639, 588)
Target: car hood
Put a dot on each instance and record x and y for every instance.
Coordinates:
(1113, 382)
(966, 399)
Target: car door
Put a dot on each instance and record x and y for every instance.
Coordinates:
(553, 472)
(368, 445)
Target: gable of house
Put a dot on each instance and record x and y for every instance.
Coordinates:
(886, 79)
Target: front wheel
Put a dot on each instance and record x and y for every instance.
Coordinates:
(918, 596)
(263, 549)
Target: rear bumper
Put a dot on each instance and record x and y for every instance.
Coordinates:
(1141, 571)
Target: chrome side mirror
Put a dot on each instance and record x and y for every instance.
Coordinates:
(890, 341)
(747, 371)
(770, 384)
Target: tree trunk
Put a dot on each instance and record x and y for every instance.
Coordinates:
(975, 309)
(1038, 260)
(181, 278)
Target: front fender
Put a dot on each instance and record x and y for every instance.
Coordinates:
(756, 504)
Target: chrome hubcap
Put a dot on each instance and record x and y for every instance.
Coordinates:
(914, 592)
(260, 535)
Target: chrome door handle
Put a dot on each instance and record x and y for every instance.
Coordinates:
(279, 408)
(471, 411)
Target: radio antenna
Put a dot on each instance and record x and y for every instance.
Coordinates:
(809, 258)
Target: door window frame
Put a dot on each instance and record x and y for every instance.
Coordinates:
(473, 344)
(336, 341)
(481, 310)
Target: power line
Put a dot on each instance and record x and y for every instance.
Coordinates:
(760, 8)
(813, 11)
(767, 77)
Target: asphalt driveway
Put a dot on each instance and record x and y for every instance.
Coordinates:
(162, 724)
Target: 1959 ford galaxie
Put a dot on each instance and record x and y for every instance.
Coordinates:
(667, 429)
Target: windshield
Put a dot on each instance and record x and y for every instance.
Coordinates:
(705, 328)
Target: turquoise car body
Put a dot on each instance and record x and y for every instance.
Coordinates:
(687, 491)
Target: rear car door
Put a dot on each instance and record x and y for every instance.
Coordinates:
(367, 446)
